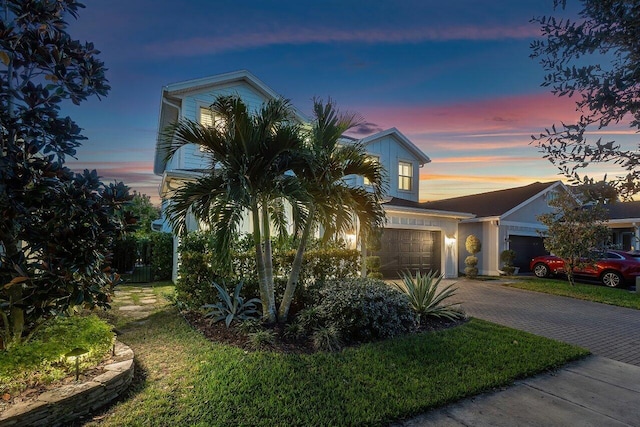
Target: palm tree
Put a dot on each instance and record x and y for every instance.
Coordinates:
(250, 155)
(333, 203)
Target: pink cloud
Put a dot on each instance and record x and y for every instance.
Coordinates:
(523, 115)
(304, 35)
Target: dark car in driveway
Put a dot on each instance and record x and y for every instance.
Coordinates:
(612, 268)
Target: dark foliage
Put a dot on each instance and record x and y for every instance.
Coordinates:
(594, 58)
(57, 227)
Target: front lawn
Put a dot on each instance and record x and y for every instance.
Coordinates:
(188, 380)
(588, 292)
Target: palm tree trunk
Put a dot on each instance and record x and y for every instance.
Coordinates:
(268, 263)
(257, 241)
(363, 253)
(296, 267)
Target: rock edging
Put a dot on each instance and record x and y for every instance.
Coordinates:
(71, 401)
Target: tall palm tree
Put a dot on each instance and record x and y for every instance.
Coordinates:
(334, 203)
(249, 157)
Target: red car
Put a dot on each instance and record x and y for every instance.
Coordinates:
(614, 269)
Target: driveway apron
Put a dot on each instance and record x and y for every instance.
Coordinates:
(607, 331)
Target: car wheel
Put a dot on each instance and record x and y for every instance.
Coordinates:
(541, 270)
(612, 279)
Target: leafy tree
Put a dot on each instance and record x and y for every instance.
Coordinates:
(333, 202)
(574, 232)
(56, 227)
(598, 192)
(594, 58)
(145, 213)
(250, 155)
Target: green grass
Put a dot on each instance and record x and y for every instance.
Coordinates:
(41, 360)
(588, 292)
(188, 380)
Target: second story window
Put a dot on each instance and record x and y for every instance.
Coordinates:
(405, 175)
(371, 159)
(208, 118)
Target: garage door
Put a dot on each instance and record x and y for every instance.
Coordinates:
(409, 249)
(526, 247)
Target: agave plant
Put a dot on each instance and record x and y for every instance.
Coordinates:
(424, 296)
(231, 307)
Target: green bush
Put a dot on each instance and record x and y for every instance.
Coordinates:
(471, 270)
(198, 269)
(161, 256)
(41, 360)
(363, 310)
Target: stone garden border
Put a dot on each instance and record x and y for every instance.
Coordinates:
(71, 401)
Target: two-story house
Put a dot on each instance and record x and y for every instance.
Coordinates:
(414, 237)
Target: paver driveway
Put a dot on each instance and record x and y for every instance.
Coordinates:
(607, 331)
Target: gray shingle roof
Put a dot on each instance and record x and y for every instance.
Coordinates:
(623, 210)
(493, 203)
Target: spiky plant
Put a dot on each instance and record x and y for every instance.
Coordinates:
(425, 297)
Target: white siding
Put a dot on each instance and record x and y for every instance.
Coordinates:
(391, 151)
(190, 157)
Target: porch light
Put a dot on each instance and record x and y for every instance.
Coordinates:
(449, 241)
(351, 240)
(76, 354)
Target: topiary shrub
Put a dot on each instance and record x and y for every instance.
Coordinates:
(507, 257)
(473, 246)
(363, 310)
(373, 267)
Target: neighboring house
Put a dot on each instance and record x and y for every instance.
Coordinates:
(504, 219)
(624, 222)
(413, 238)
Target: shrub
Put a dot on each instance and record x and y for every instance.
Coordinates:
(195, 277)
(231, 307)
(473, 246)
(424, 296)
(373, 267)
(362, 310)
(161, 255)
(507, 257)
(41, 360)
(471, 270)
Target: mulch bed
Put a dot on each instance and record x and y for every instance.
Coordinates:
(219, 333)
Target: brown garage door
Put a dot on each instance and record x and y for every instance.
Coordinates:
(409, 249)
(526, 247)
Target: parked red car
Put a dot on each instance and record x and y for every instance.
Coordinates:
(614, 269)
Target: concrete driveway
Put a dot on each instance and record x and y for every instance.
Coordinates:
(608, 331)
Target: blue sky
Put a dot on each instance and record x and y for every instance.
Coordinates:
(455, 77)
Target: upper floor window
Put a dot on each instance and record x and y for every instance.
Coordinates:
(551, 196)
(371, 159)
(405, 175)
(208, 118)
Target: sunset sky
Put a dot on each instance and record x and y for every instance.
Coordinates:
(455, 77)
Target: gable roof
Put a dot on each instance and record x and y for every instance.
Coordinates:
(404, 141)
(493, 203)
(624, 210)
(173, 93)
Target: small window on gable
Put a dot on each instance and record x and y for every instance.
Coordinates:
(371, 159)
(551, 196)
(405, 175)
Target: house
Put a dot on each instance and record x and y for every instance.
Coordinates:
(427, 236)
(414, 237)
(624, 223)
(504, 219)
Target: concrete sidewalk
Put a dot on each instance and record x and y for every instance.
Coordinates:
(592, 392)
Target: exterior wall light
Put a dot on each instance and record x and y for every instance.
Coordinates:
(449, 241)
